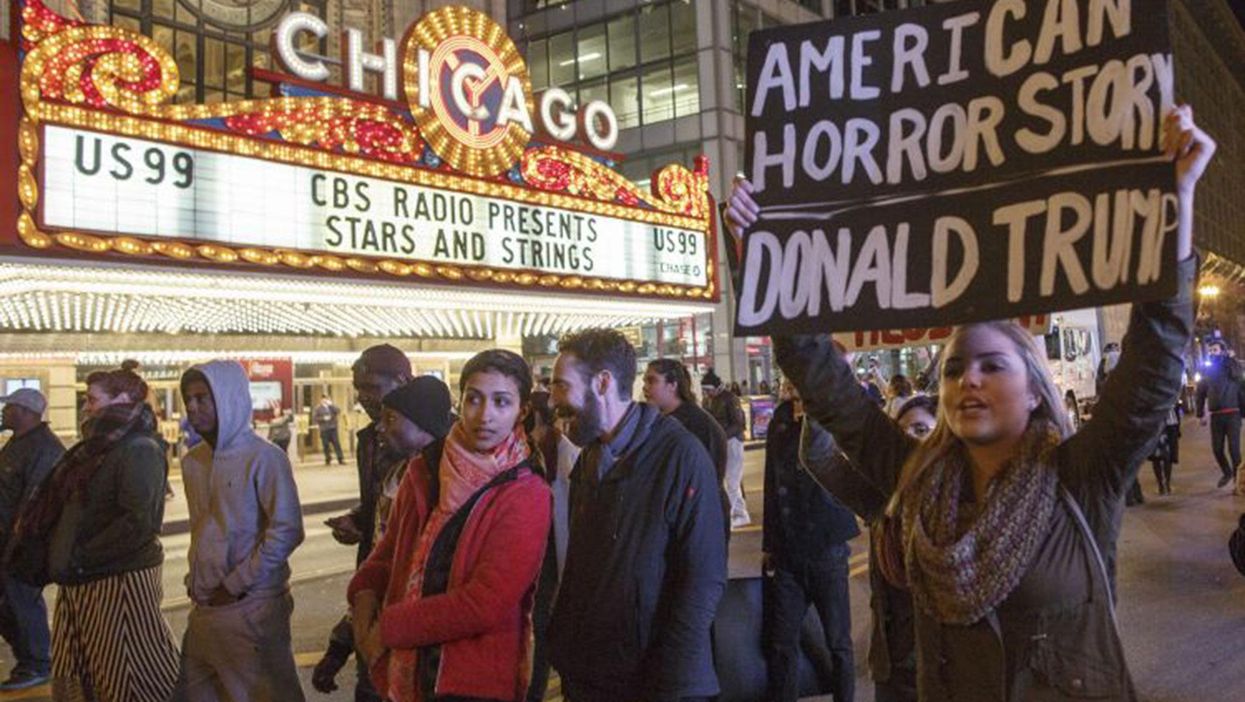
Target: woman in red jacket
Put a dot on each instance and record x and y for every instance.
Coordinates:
(442, 606)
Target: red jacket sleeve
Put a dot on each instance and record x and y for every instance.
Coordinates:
(509, 561)
(373, 575)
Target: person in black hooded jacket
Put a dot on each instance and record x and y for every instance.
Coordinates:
(805, 561)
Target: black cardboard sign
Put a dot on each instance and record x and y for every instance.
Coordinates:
(958, 162)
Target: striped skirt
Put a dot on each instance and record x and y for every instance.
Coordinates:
(110, 642)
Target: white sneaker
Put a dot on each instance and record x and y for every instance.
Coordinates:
(738, 521)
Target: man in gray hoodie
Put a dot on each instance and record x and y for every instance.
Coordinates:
(245, 521)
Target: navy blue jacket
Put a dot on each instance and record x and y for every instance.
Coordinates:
(801, 519)
(645, 569)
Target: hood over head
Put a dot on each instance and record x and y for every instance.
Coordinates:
(231, 391)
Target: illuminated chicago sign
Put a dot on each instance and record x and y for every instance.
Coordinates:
(455, 189)
(467, 85)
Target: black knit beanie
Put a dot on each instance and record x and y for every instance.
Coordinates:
(426, 402)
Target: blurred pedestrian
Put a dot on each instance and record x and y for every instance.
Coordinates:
(870, 384)
(724, 406)
(280, 426)
(898, 392)
(1166, 451)
(245, 522)
(441, 608)
(26, 461)
(646, 564)
(94, 530)
(668, 387)
(1106, 364)
(326, 416)
(1220, 390)
(378, 371)
(804, 562)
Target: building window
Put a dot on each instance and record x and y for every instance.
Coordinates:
(538, 63)
(214, 42)
(527, 6)
(686, 78)
(744, 21)
(642, 61)
(625, 101)
(622, 43)
(658, 93)
(562, 59)
(655, 30)
(591, 54)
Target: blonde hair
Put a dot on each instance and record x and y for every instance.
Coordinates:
(942, 441)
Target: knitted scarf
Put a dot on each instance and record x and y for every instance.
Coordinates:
(463, 473)
(958, 568)
(71, 474)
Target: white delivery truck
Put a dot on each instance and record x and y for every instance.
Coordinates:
(1072, 352)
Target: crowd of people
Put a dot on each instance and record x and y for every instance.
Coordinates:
(575, 529)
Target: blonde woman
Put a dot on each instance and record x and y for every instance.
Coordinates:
(1009, 520)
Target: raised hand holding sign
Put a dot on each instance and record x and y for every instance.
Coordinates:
(959, 162)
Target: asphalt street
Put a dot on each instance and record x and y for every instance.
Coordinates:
(1181, 609)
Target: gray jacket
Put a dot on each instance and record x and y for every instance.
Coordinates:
(245, 516)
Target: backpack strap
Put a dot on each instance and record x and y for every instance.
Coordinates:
(1092, 544)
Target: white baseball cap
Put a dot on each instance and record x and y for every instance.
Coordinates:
(28, 398)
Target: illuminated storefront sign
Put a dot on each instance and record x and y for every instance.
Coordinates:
(120, 185)
(108, 167)
(467, 85)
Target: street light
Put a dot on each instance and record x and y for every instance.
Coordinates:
(1208, 291)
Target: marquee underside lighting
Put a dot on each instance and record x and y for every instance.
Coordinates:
(46, 298)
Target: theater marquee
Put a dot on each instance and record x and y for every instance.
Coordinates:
(341, 184)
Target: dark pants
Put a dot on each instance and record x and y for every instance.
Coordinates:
(884, 692)
(284, 444)
(31, 641)
(576, 693)
(1226, 427)
(363, 690)
(787, 593)
(1165, 456)
(328, 437)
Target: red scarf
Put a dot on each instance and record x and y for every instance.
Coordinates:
(463, 473)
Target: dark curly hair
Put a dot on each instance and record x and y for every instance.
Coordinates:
(601, 349)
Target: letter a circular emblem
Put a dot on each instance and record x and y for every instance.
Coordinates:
(458, 94)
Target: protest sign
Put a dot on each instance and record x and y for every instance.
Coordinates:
(957, 162)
